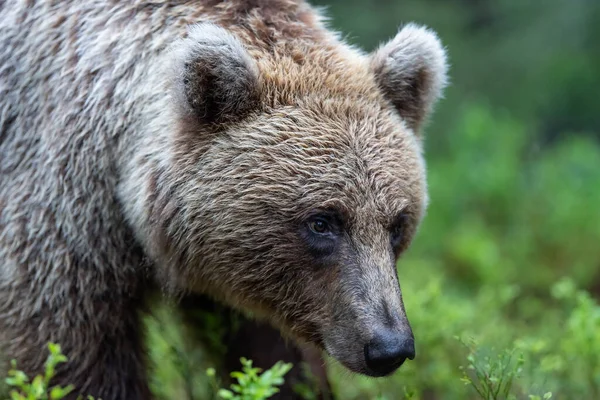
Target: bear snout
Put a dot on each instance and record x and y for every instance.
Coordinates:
(387, 351)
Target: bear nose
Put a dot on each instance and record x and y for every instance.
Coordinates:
(388, 350)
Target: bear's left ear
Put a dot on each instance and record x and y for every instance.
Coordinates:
(411, 71)
(215, 79)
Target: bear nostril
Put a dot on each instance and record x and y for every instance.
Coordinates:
(387, 351)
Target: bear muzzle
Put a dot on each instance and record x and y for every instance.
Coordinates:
(387, 351)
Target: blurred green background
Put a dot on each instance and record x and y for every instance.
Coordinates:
(502, 282)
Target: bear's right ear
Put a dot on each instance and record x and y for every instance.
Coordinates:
(216, 80)
(411, 70)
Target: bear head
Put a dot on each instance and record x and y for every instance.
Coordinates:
(291, 179)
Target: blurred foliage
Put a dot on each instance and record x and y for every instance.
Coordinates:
(508, 257)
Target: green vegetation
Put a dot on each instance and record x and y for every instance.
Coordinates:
(39, 388)
(251, 384)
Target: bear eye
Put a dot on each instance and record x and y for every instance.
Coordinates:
(319, 226)
(397, 235)
(397, 231)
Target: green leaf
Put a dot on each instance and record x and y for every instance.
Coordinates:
(14, 395)
(54, 348)
(38, 387)
(58, 392)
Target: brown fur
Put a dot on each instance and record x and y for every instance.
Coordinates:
(135, 149)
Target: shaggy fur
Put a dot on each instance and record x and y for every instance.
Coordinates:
(188, 144)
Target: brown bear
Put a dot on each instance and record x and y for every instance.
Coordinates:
(234, 149)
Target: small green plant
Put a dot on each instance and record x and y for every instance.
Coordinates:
(491, 376)
(39, 388)
(251, 384)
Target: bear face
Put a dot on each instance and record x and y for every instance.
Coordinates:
(291, 180)
(316, 232)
